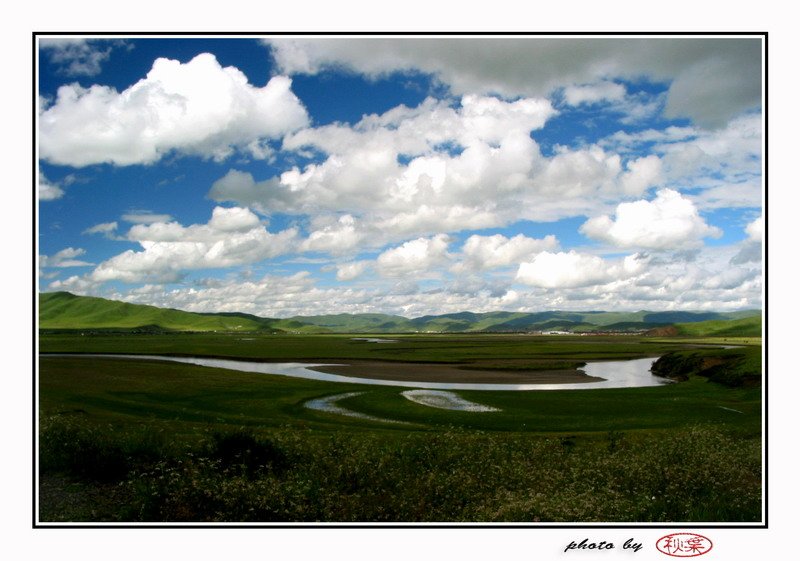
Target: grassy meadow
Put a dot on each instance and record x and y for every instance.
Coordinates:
(144, 441)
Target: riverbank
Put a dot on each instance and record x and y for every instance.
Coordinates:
(633, 373)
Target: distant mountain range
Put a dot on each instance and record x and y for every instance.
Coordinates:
(63, 310)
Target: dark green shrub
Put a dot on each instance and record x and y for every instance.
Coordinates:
(729, 367)
(242, 450)
(98, 452)
(67, 446)
(677, 366)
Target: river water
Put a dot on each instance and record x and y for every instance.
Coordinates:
(616, 374)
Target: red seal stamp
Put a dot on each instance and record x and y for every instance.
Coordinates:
(684, 545)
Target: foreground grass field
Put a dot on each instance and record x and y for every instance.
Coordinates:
(125, 440)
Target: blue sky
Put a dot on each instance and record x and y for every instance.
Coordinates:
(410, 175)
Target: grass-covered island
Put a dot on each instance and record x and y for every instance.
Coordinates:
(123, 439)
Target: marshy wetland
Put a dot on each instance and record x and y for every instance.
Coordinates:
(138, 439)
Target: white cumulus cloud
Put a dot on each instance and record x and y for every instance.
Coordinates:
(572, 269)
(670, 221)
(145, 217)
(233, 236)
(437, 167)
(642, 173)
(351, 271)
(76, 56)
(76, 284)
(48, 191)
(405, 173)
(414, 257)
(64, 258)
(750, 250)
(724, 164)
(576, 173)
(107, 229)
(196, 108)
(755, 229)
(335, 237)
(490, 252)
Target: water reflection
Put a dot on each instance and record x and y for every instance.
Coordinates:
(445, 400)
(373, 340)
(329, 405)
(616, 374)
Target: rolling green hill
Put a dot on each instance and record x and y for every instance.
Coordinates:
(62, 310)
(744, 327)
(355, 322)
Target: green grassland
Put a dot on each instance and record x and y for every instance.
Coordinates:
(137, 440)
(465, 349)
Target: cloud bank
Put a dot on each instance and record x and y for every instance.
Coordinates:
(710, 80)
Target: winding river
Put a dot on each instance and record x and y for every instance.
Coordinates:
(615, 374)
